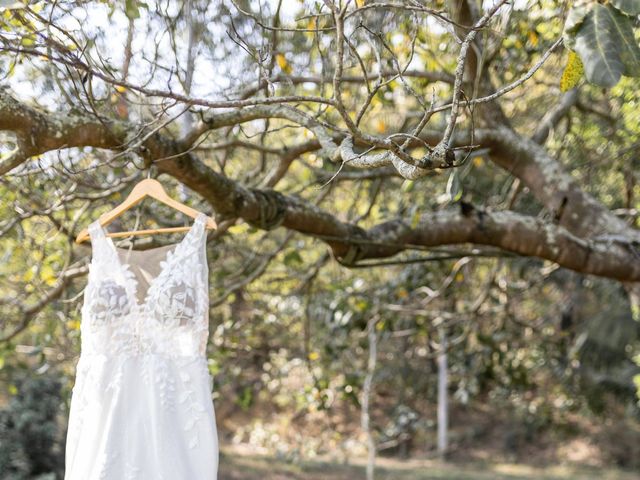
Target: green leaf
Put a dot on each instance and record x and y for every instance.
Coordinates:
(574, 21)
(627, 45)
(454, 189)
(292, 258)
(597, 44)
(630, 7)
(407, 185)
(575, 18)
(131, 9)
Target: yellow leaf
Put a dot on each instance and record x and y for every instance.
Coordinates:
(120, 88)
(381, 126)
(407, 185)
(314, 356)
(282, 63)
(459, 277)
(73, 324)
(13, 390)
(533, 38)
(478, 161)
(27, 42)
(28, 275)
(572, 72)
(419, 152)
(48, 275)
(361, 305)
(415, 219)
(360, 3)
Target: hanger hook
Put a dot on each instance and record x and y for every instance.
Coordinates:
(149, 169)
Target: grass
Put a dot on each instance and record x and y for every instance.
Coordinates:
(241, 466)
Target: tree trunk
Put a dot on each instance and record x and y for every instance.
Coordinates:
(443, 406)
(366, 396)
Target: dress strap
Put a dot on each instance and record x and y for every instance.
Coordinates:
(95, 230)
(99, 249)
(201, 249)
(200, 221)
(201, 218)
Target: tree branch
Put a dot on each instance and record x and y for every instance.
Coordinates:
(268, 209)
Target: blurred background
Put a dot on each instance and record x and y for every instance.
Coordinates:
(463, 358)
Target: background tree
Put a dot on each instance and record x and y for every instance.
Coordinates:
(452, 161)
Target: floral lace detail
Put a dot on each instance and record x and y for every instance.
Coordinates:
(193, 409)
(114, 303)
(173, 317)
(175, 304)
(166, 385)
(115, 382)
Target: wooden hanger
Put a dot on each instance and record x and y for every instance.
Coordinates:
(148, 187)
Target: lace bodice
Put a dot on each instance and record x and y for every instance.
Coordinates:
(171, 318)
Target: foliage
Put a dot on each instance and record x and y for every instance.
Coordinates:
(529, 339)
(31, 443)
(603, 35)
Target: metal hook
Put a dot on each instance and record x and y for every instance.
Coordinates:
(151, 167)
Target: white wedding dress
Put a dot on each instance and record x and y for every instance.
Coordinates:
(141, 406)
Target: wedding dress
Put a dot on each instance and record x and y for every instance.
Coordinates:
(141, 405)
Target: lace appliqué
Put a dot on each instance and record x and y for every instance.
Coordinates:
(111, 301)
(156, 371)
(173, 297)
(173, 317)
(193, 408)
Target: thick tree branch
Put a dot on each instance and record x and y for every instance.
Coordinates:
(37, 132)
(267, 209)
(571, 206)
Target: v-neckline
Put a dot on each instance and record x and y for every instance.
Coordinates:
(125, 267)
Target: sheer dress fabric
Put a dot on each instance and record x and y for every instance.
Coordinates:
(141, 404)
